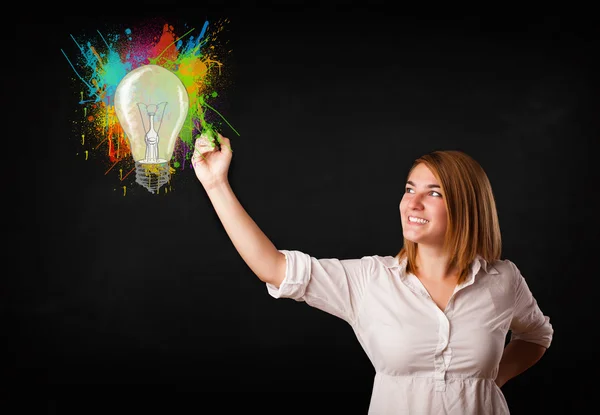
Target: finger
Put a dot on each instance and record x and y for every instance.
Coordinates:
(200, 151)
(203, 142)
(197, 159)
(202, 148)
(225, 142)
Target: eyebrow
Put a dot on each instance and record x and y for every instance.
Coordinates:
(431, 186)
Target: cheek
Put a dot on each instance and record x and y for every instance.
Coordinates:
(402, 204)
(441, 214)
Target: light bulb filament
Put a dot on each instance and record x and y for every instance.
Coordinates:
(152, 118)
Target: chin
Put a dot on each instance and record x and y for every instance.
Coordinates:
(408, 238)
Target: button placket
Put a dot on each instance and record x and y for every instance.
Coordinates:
(443, 353)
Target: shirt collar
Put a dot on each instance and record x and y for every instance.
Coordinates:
(478, 264)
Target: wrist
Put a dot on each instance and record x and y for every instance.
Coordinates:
(216, 185)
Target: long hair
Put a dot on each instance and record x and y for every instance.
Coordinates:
(473, 227)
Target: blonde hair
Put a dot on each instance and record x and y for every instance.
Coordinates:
(473, 226)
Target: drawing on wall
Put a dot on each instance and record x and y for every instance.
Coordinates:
(145, 95)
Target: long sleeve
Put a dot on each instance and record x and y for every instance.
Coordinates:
(332, 285)
(529, 323)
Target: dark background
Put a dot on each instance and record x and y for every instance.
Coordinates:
(105, 313)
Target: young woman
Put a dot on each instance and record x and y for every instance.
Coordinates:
(433, 319)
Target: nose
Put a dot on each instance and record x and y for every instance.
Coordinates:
(415, 203)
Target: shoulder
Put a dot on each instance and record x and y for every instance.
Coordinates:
(375, 266)
(384, 261)
(503, 266)
(505, 270)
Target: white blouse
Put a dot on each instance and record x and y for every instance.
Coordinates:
(427, 361)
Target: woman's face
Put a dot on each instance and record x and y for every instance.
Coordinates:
(423, 199)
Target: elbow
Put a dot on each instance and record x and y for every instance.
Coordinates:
(536, 352)
(276, 273)
(533, 349)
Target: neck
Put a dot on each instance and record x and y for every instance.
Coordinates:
(432, 264)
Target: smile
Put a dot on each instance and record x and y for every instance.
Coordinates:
(412, 219)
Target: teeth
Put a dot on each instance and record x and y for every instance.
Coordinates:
(417, 220)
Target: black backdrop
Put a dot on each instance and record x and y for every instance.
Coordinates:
(332, 106)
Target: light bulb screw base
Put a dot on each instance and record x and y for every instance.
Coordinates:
(152, 175)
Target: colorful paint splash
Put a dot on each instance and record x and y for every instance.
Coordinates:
(195, 55)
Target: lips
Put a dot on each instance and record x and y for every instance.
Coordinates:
(419, 222)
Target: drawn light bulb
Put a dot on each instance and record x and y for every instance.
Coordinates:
(151, 104)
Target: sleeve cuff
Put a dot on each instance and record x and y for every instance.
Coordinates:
(297, 276)
(541, 336)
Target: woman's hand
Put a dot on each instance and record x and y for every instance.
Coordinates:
(210, 162)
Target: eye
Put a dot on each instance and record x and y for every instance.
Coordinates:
(411, 190)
